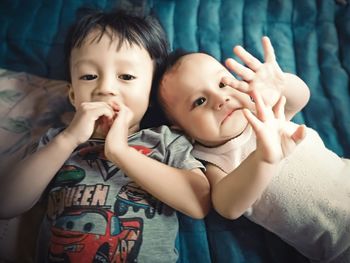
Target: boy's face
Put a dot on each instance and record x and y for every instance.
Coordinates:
(101, 72)
(195, 97)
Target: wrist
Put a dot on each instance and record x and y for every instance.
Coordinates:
(119, 155)
(66, 140)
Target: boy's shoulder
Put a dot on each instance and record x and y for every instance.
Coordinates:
(164, 133)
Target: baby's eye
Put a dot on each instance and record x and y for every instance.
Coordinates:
(199, 102)
(127, 77)
(221, 85)
(88, 77)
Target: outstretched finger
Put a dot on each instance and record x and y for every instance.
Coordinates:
(236, 84)
(252, 62)
(253, 120)
(269, 52)
(263, 111)
(278, 108)
(245, 73)
(299, 134)
(289, 142)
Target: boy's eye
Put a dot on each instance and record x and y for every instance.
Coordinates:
(126, 77)
(221, 85)
(88, 77)
(199, 102)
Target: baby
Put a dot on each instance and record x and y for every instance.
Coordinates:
(259, 163)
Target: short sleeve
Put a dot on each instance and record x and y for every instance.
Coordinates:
(178, 151)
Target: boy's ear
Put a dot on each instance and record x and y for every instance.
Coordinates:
(70, 94)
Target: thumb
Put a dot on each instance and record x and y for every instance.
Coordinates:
(299, 134)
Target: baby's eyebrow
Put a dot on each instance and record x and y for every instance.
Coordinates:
(189, 99)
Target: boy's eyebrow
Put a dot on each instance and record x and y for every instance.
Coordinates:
(82, 61)
(124, 61)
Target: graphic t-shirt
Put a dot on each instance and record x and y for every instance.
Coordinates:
(96, 213)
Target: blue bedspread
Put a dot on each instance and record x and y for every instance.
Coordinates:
(311, 38)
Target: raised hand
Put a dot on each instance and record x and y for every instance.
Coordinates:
(88, 116)
(274, 141)
(266, 77)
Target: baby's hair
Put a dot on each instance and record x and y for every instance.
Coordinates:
(171, 61)
(140, 30)
(168, 64)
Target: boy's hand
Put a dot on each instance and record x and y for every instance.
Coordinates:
(87, 117)
(117, 138)
(267, 77)
(274, 142)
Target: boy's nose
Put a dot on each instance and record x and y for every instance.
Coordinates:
(107, 88)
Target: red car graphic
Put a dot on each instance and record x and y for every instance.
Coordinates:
(95, 235)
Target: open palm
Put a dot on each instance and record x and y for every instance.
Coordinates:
(273, 141)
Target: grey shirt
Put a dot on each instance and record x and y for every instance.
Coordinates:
(95, 211)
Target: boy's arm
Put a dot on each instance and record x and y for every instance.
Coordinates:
(184, 190)
(22, 188)
(233, 194)
(187, 191)
(269, 79)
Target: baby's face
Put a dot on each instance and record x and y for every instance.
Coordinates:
(196, 98)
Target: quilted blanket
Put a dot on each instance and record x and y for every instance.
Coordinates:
(311, 38)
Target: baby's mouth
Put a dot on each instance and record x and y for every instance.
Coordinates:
(228, 115)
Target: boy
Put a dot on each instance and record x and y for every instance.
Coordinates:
(279, 174)
(111, 196)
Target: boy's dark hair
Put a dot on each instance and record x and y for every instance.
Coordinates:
(141, 30)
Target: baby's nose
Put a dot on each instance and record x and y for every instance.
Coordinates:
(221, 102)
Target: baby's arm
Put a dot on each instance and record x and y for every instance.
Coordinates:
(22, 188)
(234, 193)
(184, 190)
(269, 79)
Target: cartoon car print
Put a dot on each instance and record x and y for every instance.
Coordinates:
(131, 195)
(94, 155)
(95, 235)
(68, 175)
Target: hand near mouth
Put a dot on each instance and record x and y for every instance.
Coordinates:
(104, 123)
(117, 137)
(85, 121)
